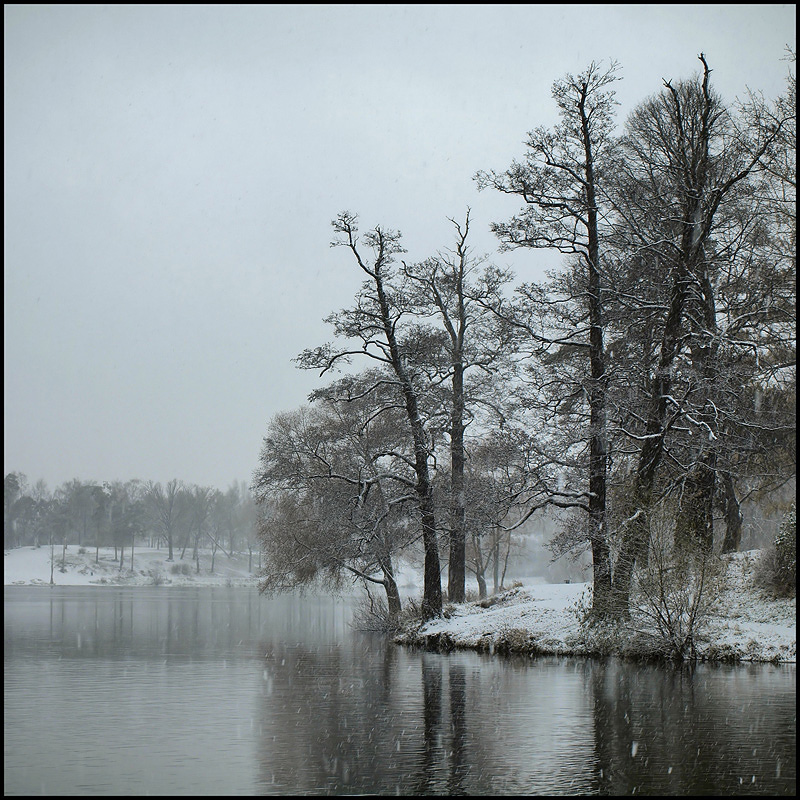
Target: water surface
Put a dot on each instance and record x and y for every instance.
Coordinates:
(219, 691)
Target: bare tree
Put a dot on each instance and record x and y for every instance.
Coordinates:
(166, 508)
(562, 183)
(335, 487)
(680, 164)
(375, 323)
(450, 288)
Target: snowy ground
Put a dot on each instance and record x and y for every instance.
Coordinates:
(749, 625)
(25, 566)
(753, 627)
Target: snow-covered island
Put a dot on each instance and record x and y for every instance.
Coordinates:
(532, 617)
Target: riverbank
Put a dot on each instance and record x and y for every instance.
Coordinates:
(30, 566)
(746, 624)
(534, 617)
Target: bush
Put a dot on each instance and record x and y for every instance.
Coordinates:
(673, 597)
(372, 615)
(777, 568)
(672, 593)
(156, 577)
(182, 568)
(786, 553)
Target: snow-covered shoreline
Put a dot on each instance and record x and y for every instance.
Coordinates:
(544, 619)
(534, 617)
(30, 566)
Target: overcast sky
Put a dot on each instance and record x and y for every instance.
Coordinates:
(171, 173)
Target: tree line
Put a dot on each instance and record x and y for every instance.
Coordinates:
(645, 386)
(179, 517)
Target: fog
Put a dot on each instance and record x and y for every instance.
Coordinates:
(171, 173)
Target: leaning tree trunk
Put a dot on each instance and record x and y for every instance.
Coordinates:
(390, 585)
(695, 523)
(635, 532)
(432, 579)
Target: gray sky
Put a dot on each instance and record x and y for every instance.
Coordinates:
(171, 173)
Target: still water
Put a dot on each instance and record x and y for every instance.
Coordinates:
(219, 691)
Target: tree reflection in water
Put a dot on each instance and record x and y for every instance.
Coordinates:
(693, 729)
(225, 690)
(374, 718)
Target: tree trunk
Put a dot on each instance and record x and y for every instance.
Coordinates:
(480, 565)
(392, 592)
(635, 531)
(496, 562)
(432, 579)
(694, 525)
(598, 449)
(481, 584)
(432, 589)
(733, 516)
(185, 543)
(696, 521)
(456, 574)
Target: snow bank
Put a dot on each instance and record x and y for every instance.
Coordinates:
(544, 619)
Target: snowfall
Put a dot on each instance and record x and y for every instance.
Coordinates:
(533, 616)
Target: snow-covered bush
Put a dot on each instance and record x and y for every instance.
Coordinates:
(786, 552)
(673, 595)
(777, 569)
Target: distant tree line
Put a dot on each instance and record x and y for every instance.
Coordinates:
(181, 518)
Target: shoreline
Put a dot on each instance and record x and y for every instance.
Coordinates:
(745, 625)
(30, 566)
(533, 618)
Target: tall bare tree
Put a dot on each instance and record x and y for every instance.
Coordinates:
(562, 183)
(166, 507)
(454, 287)
(680, 164)
(375, 323)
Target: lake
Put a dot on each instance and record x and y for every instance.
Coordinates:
(219, 691)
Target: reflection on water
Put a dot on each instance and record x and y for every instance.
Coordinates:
(164, 691)
(703, 730)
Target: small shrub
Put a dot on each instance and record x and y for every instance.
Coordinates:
(156, 577)
(81, 551)
(673, 596)
(673, 592)
(181, 568)
(776, 571)
(372, 615)
(786, 553)
(515, 640)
